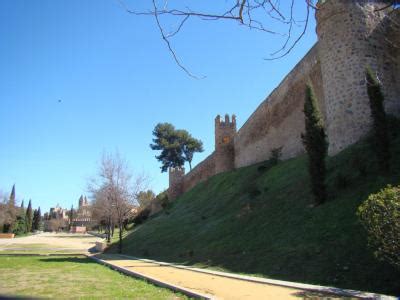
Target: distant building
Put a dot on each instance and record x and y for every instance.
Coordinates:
(59, 218)
(58, 213)
(83, 215)
(56, 219)
(82, 218)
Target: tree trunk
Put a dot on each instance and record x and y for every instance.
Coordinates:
(109, 232)
(190, 165)
(121, 228)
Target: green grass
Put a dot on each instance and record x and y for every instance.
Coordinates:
(258, 220)
(23, 235)
(125, 233)
(71, 277)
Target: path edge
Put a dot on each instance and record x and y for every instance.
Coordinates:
(175, 288)
(296, 285)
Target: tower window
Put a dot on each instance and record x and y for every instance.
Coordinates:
(226, 139)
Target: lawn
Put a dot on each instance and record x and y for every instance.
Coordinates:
(66, 277)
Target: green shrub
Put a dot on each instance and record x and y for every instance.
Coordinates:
(20, 226)
(341, 181)
(274, 159)
(316, 145)
(142, 215)
(163, 199)
(380, 215)
(360, 164)
(380, 122)
(276, 154)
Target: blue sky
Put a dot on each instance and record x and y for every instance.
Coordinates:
(116, 81)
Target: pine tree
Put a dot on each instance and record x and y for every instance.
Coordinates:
(71, 216)
(39, 220)
(316, 146)
(12, 197)
(34, 221)
(22, 204)
(380, 126)
(11, 213)
(29, 217)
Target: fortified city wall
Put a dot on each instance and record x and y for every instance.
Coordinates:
(351, 36)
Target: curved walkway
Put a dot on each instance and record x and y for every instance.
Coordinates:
(219, 285)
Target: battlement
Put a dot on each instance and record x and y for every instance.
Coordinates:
(177, 170)
(176, 175)
(226, 122)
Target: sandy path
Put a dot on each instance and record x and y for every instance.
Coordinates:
(51, 241)
(216, 286)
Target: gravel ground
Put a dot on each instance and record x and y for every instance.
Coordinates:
(51, 241)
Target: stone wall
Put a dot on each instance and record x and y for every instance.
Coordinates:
(279, 120)
(201, 172)
(388, 35)
(176, 176)
(351, 36)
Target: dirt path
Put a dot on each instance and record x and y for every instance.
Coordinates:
(79, 243)
(215, 286)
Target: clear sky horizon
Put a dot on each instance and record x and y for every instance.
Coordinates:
(82, 77)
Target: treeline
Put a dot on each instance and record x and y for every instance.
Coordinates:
(18, 220)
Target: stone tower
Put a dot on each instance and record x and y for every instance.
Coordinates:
(80, 202)
(351, 37)
(224, 144)
(176, 176)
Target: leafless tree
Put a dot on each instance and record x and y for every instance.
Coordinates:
(287, 19)
(56, 224)
(102, 210)
(115, 191)
(8, 211)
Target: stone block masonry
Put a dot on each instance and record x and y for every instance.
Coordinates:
(351, 36)
(279, 120)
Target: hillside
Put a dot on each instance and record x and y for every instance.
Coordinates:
(258, 220)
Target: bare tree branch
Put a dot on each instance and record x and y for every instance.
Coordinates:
(169, 44)
(259, 15)
(298, 38)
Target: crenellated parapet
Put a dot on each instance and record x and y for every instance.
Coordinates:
(226, 122)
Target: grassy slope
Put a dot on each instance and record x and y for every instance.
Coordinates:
(260, 222)
(71, 277)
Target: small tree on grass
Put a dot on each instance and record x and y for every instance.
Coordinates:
(380, 215)
(380, 126)
(116, 191)
(28, 217)
(36, 219)
(71, 217)
(19, 227)
(316, 145)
